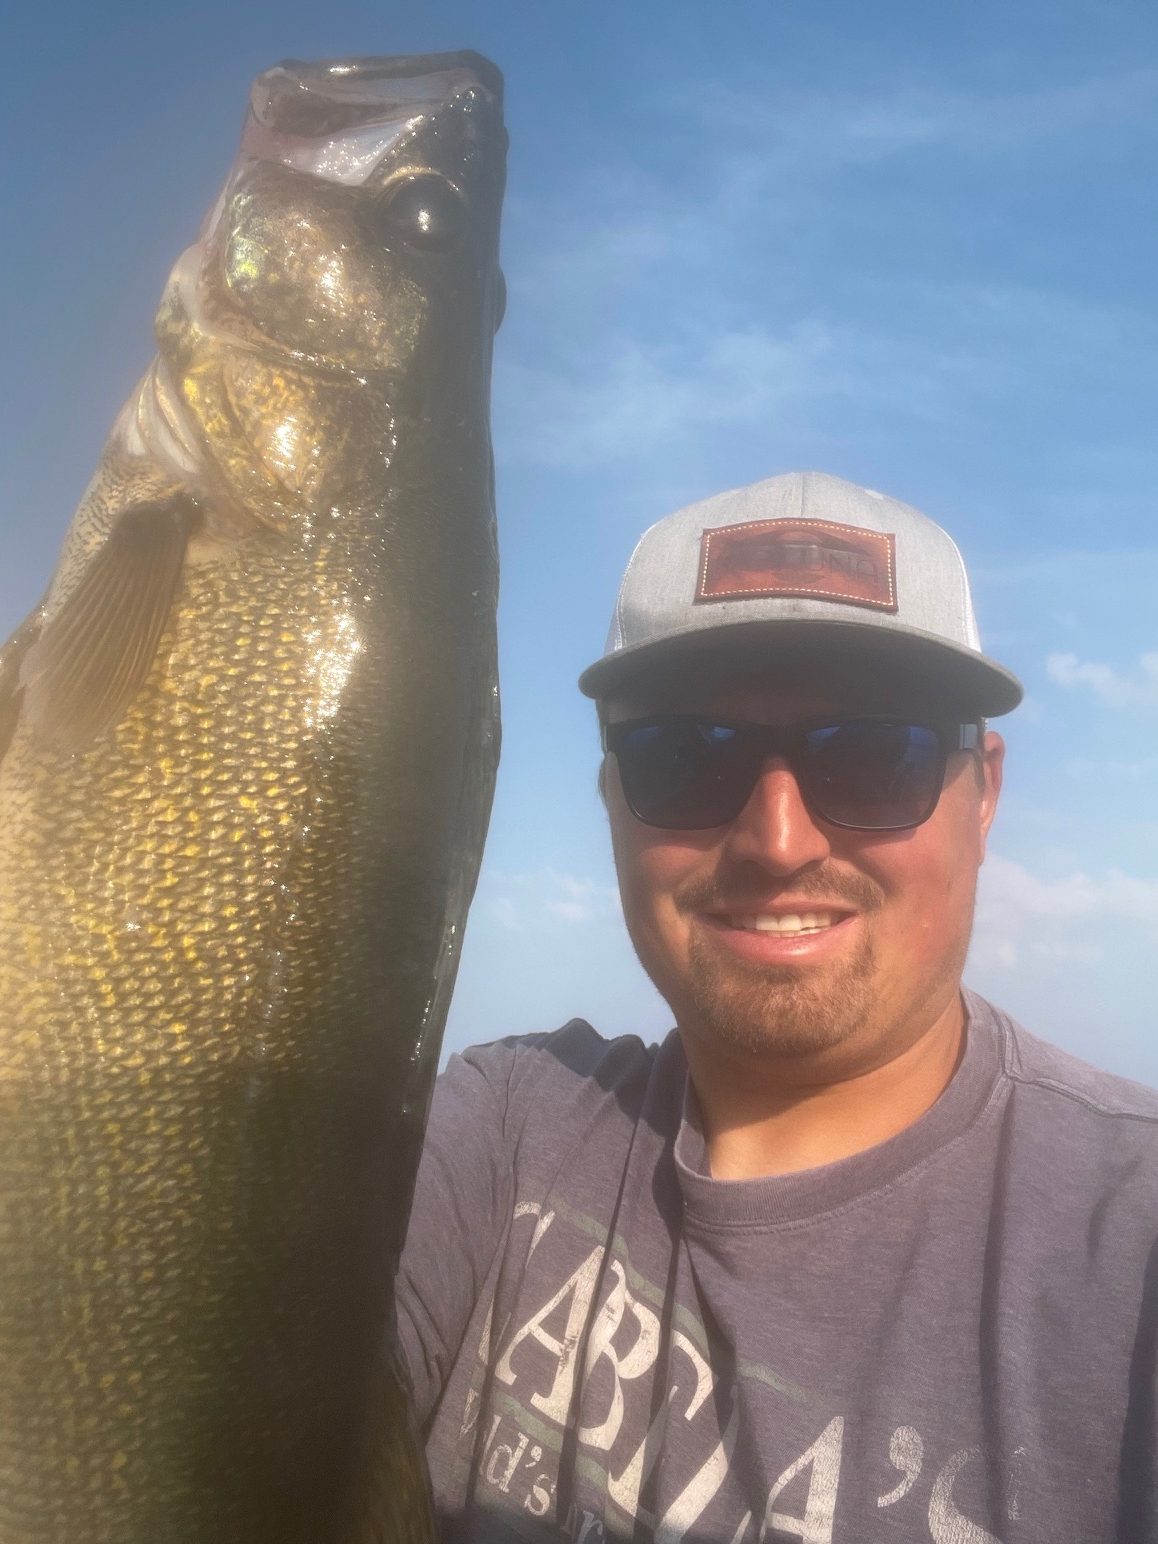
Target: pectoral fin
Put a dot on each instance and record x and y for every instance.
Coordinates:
(92, 657)
(12, 657)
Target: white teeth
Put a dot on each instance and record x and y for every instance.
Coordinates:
(791, 922)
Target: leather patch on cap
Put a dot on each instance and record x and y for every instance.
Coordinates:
(799, 557)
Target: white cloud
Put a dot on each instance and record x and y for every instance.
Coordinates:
(1077, 918)
(994, 951)
(1012, 893)
(645, 396)
(850, 129)
(1068, 953)
(505, 913)
(527, 900)
(1106, 596)
(1113, 769)
(665, 318)
(650, 313)
(1074, 572)
(1113, 687)
(586, 388)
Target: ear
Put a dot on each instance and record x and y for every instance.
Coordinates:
(992, 760)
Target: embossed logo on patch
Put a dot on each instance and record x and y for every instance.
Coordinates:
(799, 557)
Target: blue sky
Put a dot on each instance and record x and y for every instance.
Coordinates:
(910, 244)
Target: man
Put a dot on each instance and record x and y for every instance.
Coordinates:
(850, 1256)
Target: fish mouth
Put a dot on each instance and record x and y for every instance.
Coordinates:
(339, 118)
(373, 68)
(331, 327)
(341, 96)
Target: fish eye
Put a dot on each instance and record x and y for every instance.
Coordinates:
(425, 212)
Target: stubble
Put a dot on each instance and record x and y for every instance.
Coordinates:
(755, 1009)
(791, 1011)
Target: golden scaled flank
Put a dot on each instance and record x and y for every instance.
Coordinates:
(181, 828)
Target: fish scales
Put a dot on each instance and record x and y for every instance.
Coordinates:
(249, 743)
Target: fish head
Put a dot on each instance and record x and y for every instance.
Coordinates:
(347, 277)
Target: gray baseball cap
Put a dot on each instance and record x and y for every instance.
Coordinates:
(795, 565)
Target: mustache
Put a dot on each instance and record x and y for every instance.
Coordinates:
(748, 892)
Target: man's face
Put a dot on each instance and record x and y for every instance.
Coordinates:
(888, 914)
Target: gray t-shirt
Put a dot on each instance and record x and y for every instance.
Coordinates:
(951, 1337)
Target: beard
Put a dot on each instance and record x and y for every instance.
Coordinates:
(781, 1009)
(785, 1010)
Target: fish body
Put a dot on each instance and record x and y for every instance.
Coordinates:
(248, 749)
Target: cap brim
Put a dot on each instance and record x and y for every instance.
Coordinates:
(971, 681)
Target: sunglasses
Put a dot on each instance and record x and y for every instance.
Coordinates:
(683, 773)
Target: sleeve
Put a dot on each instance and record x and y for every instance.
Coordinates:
(462, 1203)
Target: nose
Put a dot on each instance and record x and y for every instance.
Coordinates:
(775, 828)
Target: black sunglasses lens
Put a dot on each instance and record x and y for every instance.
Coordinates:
(873, 775)
(865, 774)
(684, 775)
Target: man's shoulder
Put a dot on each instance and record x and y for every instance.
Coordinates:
(562, 1076)
(576, 1050)
(1082, 1130)
(1036, 1064)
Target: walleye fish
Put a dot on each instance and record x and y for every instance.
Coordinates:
(248, 747)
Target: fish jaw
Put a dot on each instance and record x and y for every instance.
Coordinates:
(338, 119)
(324, 155)
(313, 314)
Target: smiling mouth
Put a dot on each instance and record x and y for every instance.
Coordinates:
(785, 923)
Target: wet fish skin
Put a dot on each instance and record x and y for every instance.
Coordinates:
(248, 744)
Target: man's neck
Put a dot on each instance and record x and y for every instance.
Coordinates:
(758, 1125)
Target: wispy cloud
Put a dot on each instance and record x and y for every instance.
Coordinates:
(658, 307)
(644, 398)
(1011, 892)
(1077, 917)
(546, 896)
(1118, 690)
(1074, 573)
(580, 899)
(1113, 769)
(588, 392)
(1050, 613)
(848, 128)
(505, 912)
